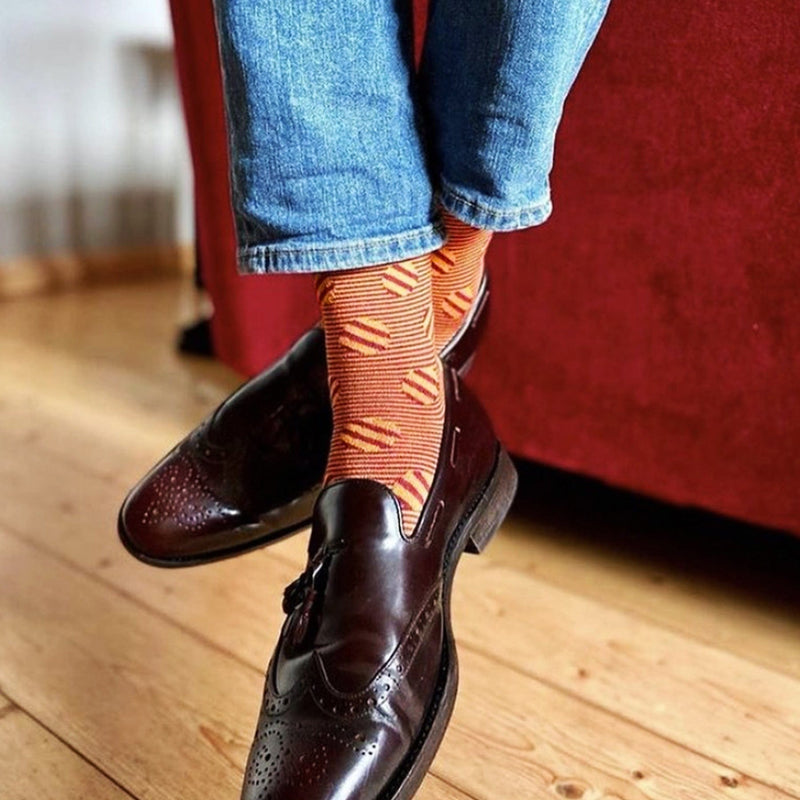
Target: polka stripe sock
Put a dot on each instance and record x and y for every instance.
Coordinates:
(385, 379)
(457, 272)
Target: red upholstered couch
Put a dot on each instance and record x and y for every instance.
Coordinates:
(649, 334)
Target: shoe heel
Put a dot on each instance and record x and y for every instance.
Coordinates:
(494, 505)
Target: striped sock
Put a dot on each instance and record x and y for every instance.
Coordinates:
(457, 272)
(385, 379)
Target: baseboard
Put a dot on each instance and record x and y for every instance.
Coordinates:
(25, 276)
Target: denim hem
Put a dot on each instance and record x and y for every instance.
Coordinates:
(481, 215)
(286, 257)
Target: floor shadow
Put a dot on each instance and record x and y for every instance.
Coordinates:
(758, 564)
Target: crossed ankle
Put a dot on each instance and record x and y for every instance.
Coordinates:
(457, 271)
(385, 379)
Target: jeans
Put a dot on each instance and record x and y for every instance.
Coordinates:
(342, 154)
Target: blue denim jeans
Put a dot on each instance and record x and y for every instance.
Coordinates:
(342, 154)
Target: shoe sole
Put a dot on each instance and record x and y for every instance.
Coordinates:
(301, 507)
(304, 503)
(472, 536)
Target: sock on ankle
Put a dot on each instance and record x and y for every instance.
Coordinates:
(457, 272)
(385, 379)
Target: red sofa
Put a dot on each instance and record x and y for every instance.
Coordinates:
(649, 334)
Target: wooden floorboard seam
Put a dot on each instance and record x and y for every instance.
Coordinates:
(631, 612)
(34, 544)
(243, 662)
(289, 562)
(148, 609)
(554, 711)
(15, 706)
(627, 720)
(10, 708)
(648, 620)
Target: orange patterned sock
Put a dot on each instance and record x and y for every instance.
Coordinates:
(385, 378)
(457, 272)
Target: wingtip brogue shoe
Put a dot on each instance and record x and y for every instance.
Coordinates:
(249, 474)
(363, 680)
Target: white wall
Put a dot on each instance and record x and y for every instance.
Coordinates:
(92, 145)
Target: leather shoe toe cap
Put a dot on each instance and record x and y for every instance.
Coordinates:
(322, 761)
(171, 511)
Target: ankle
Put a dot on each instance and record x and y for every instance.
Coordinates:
(385, 379)
(457, 272)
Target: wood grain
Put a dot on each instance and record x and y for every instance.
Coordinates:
(666, 565)
(575, 683)
(162, 396)
(162, 712)
(158, 708)
(35, 764)
(701, 697)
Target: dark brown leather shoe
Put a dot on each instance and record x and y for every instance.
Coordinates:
(249, 474)
(362, 683)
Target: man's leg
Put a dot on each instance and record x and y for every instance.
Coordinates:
(386, 379)
(328, 168)
(329, 174)
(330, 177)
(495, 75)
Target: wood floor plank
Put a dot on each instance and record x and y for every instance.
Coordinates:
(684, 574)
(96, 421)
(155, 707)
(695, 605)
(112, 344)
(35, 764)
(767, 633)
(542, 744)
(708, 700)
(108, 390)
(111, 350)
(162, 713)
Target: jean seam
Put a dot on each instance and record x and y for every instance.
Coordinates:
(483, 215)
(375, 241)
(350, 254)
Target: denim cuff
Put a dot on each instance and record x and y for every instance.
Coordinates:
(480, 213)
(287, 257)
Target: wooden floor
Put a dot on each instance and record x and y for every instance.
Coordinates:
(610, 647)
